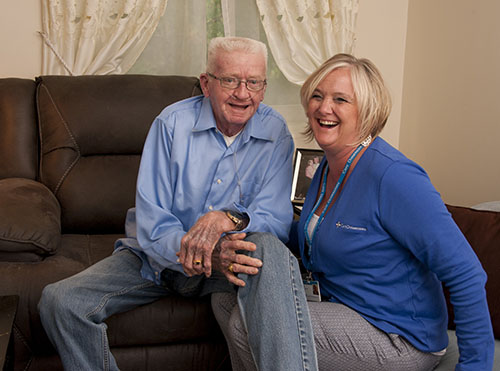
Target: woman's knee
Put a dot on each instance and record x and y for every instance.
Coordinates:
(237, 330)
(222, 305)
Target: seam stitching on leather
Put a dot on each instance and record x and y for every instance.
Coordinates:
(70, 167)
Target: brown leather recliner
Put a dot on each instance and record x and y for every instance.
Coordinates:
(69, 155)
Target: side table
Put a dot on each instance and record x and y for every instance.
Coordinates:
(8, 309)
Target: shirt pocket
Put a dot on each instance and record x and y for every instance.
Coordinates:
(247, 191)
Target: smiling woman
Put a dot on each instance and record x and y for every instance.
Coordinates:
(375, 280)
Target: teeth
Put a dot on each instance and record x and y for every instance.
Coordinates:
(328, 123)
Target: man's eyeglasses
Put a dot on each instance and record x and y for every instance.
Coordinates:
(234, 83)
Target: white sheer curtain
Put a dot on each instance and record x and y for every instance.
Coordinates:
(96, 37)
(179, 44)
(302, 34)
(178, 47)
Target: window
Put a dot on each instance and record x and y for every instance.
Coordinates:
(178, 47)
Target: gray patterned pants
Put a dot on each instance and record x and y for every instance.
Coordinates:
(344, 340)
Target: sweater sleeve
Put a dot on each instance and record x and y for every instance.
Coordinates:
(413, 213)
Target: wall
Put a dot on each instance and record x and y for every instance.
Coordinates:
(450, 112)
(446, 107)
(380, 37)
(21, 51)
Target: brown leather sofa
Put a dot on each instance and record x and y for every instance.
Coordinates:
(69, 154)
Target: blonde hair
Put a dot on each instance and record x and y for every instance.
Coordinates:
(372, 96)
(230, 44)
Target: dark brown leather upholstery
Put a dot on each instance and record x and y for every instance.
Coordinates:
(18, 132)
(80, 139)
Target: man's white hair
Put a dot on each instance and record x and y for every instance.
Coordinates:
(230, 44)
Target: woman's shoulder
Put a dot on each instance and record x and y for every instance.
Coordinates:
(384, 163)
(382, 148)
(382, 155)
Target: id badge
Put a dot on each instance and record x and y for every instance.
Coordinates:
(311, 287)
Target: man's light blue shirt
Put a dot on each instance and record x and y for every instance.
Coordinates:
(187, 170)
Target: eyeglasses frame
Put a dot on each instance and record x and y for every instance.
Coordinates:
(239, 82)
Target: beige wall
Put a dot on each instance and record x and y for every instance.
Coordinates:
(380, 37)
(451, 110)
(446, 52)
(21, 51)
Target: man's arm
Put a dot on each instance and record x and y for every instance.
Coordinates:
(159, 230)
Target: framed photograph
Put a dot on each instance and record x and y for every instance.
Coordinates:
(306, 163)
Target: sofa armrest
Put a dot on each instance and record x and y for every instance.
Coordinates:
(30, 220)
(482, 230)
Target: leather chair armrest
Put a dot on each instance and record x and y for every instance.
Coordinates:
(30, 220)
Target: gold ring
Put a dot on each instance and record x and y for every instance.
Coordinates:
(197, 262)
(230, 268)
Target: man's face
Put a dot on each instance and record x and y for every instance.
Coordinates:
(234, 107)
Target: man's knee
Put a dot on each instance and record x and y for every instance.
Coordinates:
(49, 301)
(56, 298)
(268, 246)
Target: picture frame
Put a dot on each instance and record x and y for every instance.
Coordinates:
(306, 161)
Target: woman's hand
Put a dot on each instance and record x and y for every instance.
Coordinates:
(229, 261)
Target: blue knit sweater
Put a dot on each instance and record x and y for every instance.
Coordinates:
(384, 248)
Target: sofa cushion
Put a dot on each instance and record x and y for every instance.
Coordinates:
(92, 130)
(18, 129)
(482, 230)
(29, 220)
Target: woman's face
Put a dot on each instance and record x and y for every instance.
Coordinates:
(333, 112)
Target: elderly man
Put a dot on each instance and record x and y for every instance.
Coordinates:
(212, 165)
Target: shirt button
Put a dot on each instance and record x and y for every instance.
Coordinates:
(219, 181)
(210, 208)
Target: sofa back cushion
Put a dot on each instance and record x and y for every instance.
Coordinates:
(18, 130)
(92, 130)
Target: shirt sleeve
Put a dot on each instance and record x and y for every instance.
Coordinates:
(159, 231)
(271, 210)
(413, 213)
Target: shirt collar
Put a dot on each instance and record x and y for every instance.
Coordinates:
(255, 127)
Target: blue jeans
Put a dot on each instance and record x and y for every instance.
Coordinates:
(73, 310)
(274, 309)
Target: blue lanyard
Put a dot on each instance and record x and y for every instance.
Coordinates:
(332, 195)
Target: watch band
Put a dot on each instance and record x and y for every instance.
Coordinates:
(237, 219)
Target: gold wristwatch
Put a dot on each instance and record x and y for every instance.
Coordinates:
(238, 219)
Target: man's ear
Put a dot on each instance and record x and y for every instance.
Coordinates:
(263, 93)
(204, 84)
